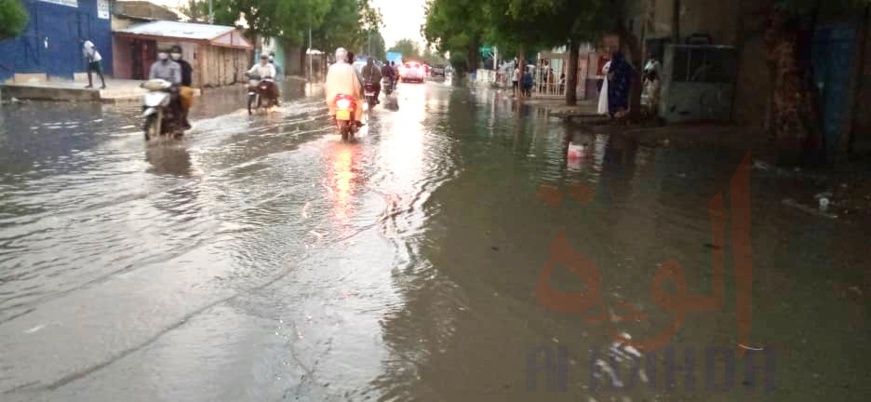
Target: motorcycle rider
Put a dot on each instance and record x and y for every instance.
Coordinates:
(265, 70)
(278, 75)
(388, 73)
(395, 73)
(186, 92)
(372, 75)
(168, 70)
(342, 79)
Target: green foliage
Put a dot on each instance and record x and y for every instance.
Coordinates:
(408, 49)
(13, 18)
(460, 26)
(334, 23)
(372, 44)
(197, 10)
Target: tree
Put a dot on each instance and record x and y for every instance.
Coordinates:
(13, 19)
(408, 49)
(455, 27)
(372, 44)
(197, 10)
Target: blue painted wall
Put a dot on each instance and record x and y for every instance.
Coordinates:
(50, 44)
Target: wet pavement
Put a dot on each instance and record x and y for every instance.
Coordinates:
(262, 259)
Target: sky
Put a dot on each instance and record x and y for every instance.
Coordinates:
(402, 18)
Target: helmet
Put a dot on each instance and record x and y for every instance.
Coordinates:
(341, 53)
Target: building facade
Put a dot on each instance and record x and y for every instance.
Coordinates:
(50, 47)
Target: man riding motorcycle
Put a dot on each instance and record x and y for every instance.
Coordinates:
(342, 79)
(388, 73)
(372, 75)
(168, 70)
(266, 70)
(186, 92)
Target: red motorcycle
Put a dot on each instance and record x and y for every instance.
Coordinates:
(346, 105)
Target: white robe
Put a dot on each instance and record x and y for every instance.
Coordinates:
(603, 94)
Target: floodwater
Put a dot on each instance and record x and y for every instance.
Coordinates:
(261, 259)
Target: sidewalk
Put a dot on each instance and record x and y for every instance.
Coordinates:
(74, 91)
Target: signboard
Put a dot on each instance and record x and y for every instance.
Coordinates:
(68, 3)
(394, 56)
(103, 9)
(486, 51)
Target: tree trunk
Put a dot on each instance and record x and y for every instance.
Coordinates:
(572, 74)
(795, 118)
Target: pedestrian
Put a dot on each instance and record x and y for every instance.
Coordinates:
(528, 82)
(652, 86)
(619, 84)
(515, 79)
(94, 60)
(603, 90)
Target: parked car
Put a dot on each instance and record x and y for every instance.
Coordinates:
(438, 70)
(412, 71)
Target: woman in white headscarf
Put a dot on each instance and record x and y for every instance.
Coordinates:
(603, 93)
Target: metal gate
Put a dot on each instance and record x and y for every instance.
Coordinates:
(833, 49)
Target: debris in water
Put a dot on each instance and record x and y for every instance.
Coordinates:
(750, 348)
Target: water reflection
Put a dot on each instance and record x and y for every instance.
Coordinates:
(171, 158)
(342, 179)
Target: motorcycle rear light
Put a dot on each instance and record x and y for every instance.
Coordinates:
(343, 103)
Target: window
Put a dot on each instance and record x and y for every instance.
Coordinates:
(711, 64)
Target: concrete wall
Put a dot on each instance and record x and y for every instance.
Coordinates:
(50, 43)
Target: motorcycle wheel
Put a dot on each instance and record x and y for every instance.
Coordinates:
(253, 103)
(151, 126)
(344, 129)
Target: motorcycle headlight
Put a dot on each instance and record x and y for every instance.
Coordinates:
(343, 103)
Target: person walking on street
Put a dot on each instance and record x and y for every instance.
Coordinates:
(186, 92)
(95, 63)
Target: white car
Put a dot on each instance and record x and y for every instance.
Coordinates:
(412, 71)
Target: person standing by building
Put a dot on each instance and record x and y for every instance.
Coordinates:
(95, 63)
(515, 79)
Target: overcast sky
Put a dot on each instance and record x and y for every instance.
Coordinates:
(402, 19)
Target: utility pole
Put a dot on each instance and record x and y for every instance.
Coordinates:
(310, 64)
(211, 13)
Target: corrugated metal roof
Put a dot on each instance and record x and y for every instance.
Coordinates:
(173, 29)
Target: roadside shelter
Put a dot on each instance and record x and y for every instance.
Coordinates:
(220, 55)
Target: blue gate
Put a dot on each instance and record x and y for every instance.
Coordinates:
(833, 50)
(50, 43)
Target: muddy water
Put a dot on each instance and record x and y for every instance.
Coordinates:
(262, 259)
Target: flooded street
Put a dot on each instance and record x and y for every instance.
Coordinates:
(262, 259)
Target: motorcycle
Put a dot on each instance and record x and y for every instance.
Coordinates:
(387, 84)
(369, 93)
(345, 107)
(257, 87)
(160, 118)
